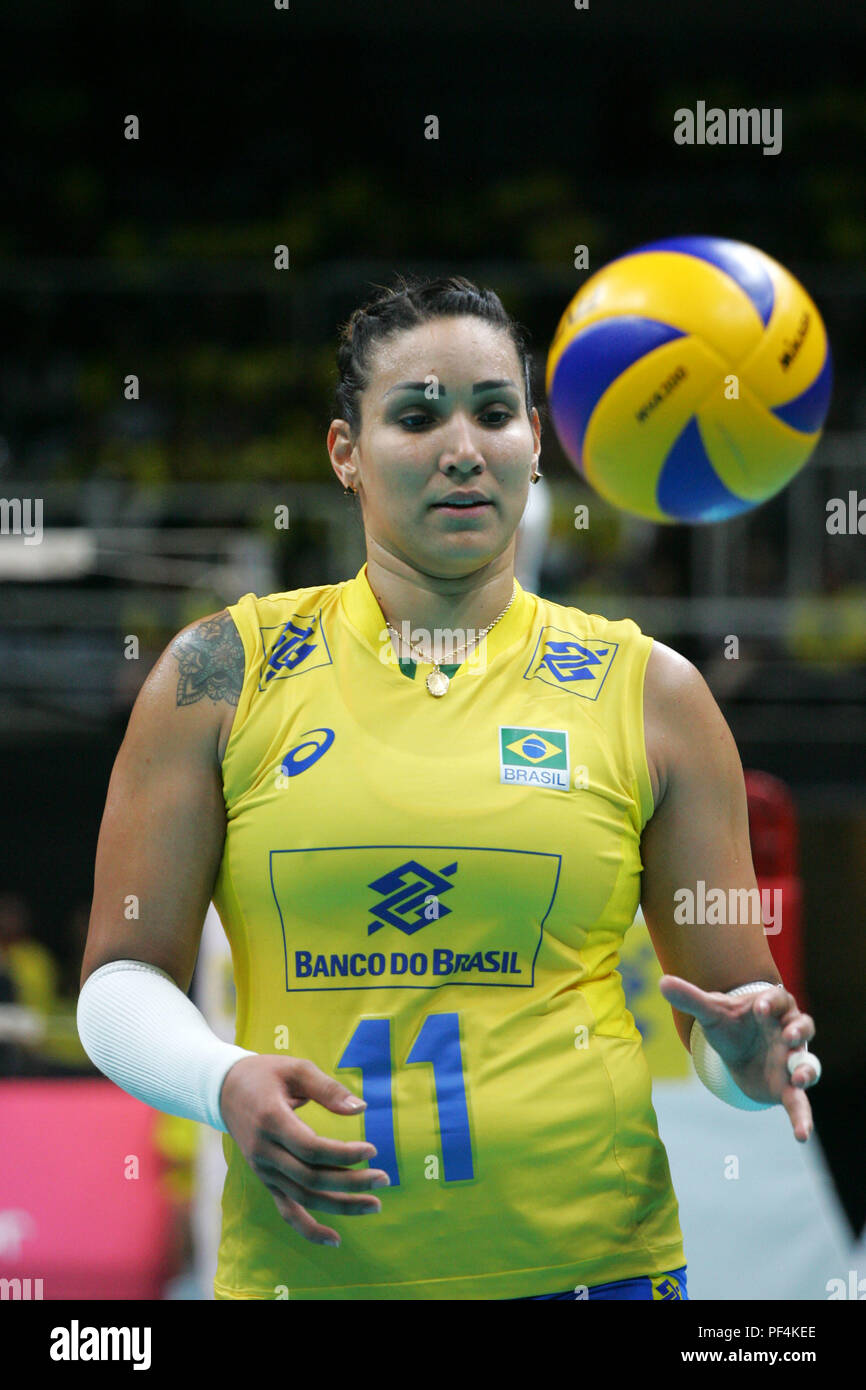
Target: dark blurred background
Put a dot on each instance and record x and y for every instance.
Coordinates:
(305, 127)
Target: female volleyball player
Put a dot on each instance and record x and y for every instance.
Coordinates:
(426, 804)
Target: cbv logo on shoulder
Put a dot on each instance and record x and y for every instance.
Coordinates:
(578, 667)
(293, 648)
(534, 757)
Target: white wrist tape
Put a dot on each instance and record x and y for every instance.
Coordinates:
(712, 1070)
(139, 1028)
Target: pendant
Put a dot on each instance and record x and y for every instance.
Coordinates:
(438, 683)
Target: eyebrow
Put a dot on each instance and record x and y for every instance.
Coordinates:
(493, 385)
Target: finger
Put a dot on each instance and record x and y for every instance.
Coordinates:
(773, 1004)
(799, 1112)
(806, 1072)
(320, 1179)
(300, 1220)
(314, 1084)
(689, 999)
(294, 1135)
(797, 1028)
(334, 1202)
(800, 1029)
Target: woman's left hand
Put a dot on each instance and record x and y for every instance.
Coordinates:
(754, 1035)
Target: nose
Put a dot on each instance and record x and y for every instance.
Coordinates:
(462, 454)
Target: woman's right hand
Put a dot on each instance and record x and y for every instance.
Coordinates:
(258, 1100)
(168, 863)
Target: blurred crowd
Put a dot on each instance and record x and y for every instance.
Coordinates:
(39, 993)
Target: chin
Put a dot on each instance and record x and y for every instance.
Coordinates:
(455, 561)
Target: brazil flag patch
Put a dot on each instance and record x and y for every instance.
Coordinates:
(531, 757)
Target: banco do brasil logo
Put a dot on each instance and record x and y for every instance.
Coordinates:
(412, 897)
(428, 916)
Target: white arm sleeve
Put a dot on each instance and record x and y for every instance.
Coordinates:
(139, 1028)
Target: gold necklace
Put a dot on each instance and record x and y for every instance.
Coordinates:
(437, 682)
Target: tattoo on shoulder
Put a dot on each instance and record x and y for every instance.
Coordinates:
(211, 661)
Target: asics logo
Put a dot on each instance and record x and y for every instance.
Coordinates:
(314, 744)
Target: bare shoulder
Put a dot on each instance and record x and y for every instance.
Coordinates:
(210, 660)
(163, 829)
(200, 667)
(683, 725)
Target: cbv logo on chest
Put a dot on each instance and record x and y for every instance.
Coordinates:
(532, 757)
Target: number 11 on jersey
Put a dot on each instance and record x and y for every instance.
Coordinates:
(369, 1049)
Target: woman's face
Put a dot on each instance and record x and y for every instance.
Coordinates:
(443, 424)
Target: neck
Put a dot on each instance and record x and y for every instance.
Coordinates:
(431, 603)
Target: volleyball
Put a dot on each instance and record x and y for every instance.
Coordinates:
(689, 380)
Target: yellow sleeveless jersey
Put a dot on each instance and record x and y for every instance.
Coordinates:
(426, 897)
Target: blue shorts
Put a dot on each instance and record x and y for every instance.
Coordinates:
(669, 1285)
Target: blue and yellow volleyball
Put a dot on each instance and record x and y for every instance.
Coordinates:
(689, 380)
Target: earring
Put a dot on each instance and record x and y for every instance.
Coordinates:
(534, 477)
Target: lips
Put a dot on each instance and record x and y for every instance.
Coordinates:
(464, 500)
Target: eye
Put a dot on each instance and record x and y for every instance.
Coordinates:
(505, 416)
